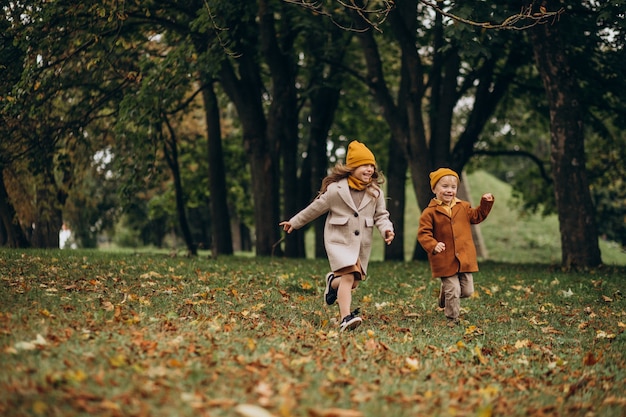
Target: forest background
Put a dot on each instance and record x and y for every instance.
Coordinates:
(211, 121)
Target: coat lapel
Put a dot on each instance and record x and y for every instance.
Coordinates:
(344, 193)
(366, 199)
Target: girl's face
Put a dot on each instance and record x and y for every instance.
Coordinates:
(445, 189)
(364, 172)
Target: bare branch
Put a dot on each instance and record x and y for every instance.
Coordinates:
(538, 162)
(525, 19)
(375, 16)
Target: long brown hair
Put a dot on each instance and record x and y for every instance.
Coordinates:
(341, 171)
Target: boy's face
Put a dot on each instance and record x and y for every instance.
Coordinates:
(445, 189)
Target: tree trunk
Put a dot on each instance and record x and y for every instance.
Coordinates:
(324, 102)
(15, 237)
(246, 93)
(579, 235)
(396, 200)
(221, 237)
(170, 149)
(276, 41)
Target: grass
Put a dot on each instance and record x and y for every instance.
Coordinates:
(87, 333)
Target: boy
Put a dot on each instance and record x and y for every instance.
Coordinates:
(445, 234)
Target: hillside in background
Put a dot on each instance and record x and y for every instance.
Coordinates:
(509, 235)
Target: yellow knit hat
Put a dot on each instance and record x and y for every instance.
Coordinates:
(358, 155)
(435, 176)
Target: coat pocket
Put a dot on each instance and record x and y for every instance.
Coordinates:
(369, 222)
(337, 231)
(339, 221)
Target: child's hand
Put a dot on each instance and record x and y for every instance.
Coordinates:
(286, 226)
(440, 247)
(488, 197)
(389, 235)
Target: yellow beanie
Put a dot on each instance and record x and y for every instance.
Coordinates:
(435, 176)
(358, 155)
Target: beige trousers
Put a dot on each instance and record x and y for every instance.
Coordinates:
(453, 289)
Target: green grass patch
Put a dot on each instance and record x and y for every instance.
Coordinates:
(87, 333)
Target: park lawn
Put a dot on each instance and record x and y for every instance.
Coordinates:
(88, 333)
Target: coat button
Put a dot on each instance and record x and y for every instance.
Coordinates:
(356, 233)
(356, 214)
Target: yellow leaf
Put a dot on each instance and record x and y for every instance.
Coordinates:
(39, 407)
(478, 355)
(117, 361)
(251, 344)
(485, 411)
(76, 376)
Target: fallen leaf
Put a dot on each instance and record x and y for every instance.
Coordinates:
(412, 364)
(251, 410)
(335, 412)
(590, 359)
(478, 355)
(32, 345)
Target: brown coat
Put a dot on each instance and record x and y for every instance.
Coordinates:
(436, 225)
(348, 229)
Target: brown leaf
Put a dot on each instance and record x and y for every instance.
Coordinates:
(334, 412)
(590, 359)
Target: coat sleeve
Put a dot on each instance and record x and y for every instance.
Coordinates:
(425, 235)
(480, 213)
(381, 215)
(311, 212)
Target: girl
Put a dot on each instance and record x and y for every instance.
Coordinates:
(354, 201)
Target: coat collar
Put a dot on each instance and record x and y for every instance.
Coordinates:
(344, 193)
(438, 206)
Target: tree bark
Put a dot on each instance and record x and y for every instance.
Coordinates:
(15, 237)
(246, 91)
(579, 235)
(282, 126)
(396, 200)
(221, 237)
(170, 149)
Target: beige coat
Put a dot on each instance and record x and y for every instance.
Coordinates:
(348, 229)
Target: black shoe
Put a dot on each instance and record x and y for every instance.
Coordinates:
(351, 321)
(330, 294)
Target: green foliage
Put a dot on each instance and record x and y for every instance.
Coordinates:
(101, 334)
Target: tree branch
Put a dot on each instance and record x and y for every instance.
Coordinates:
(524, 154)
(374, 17)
